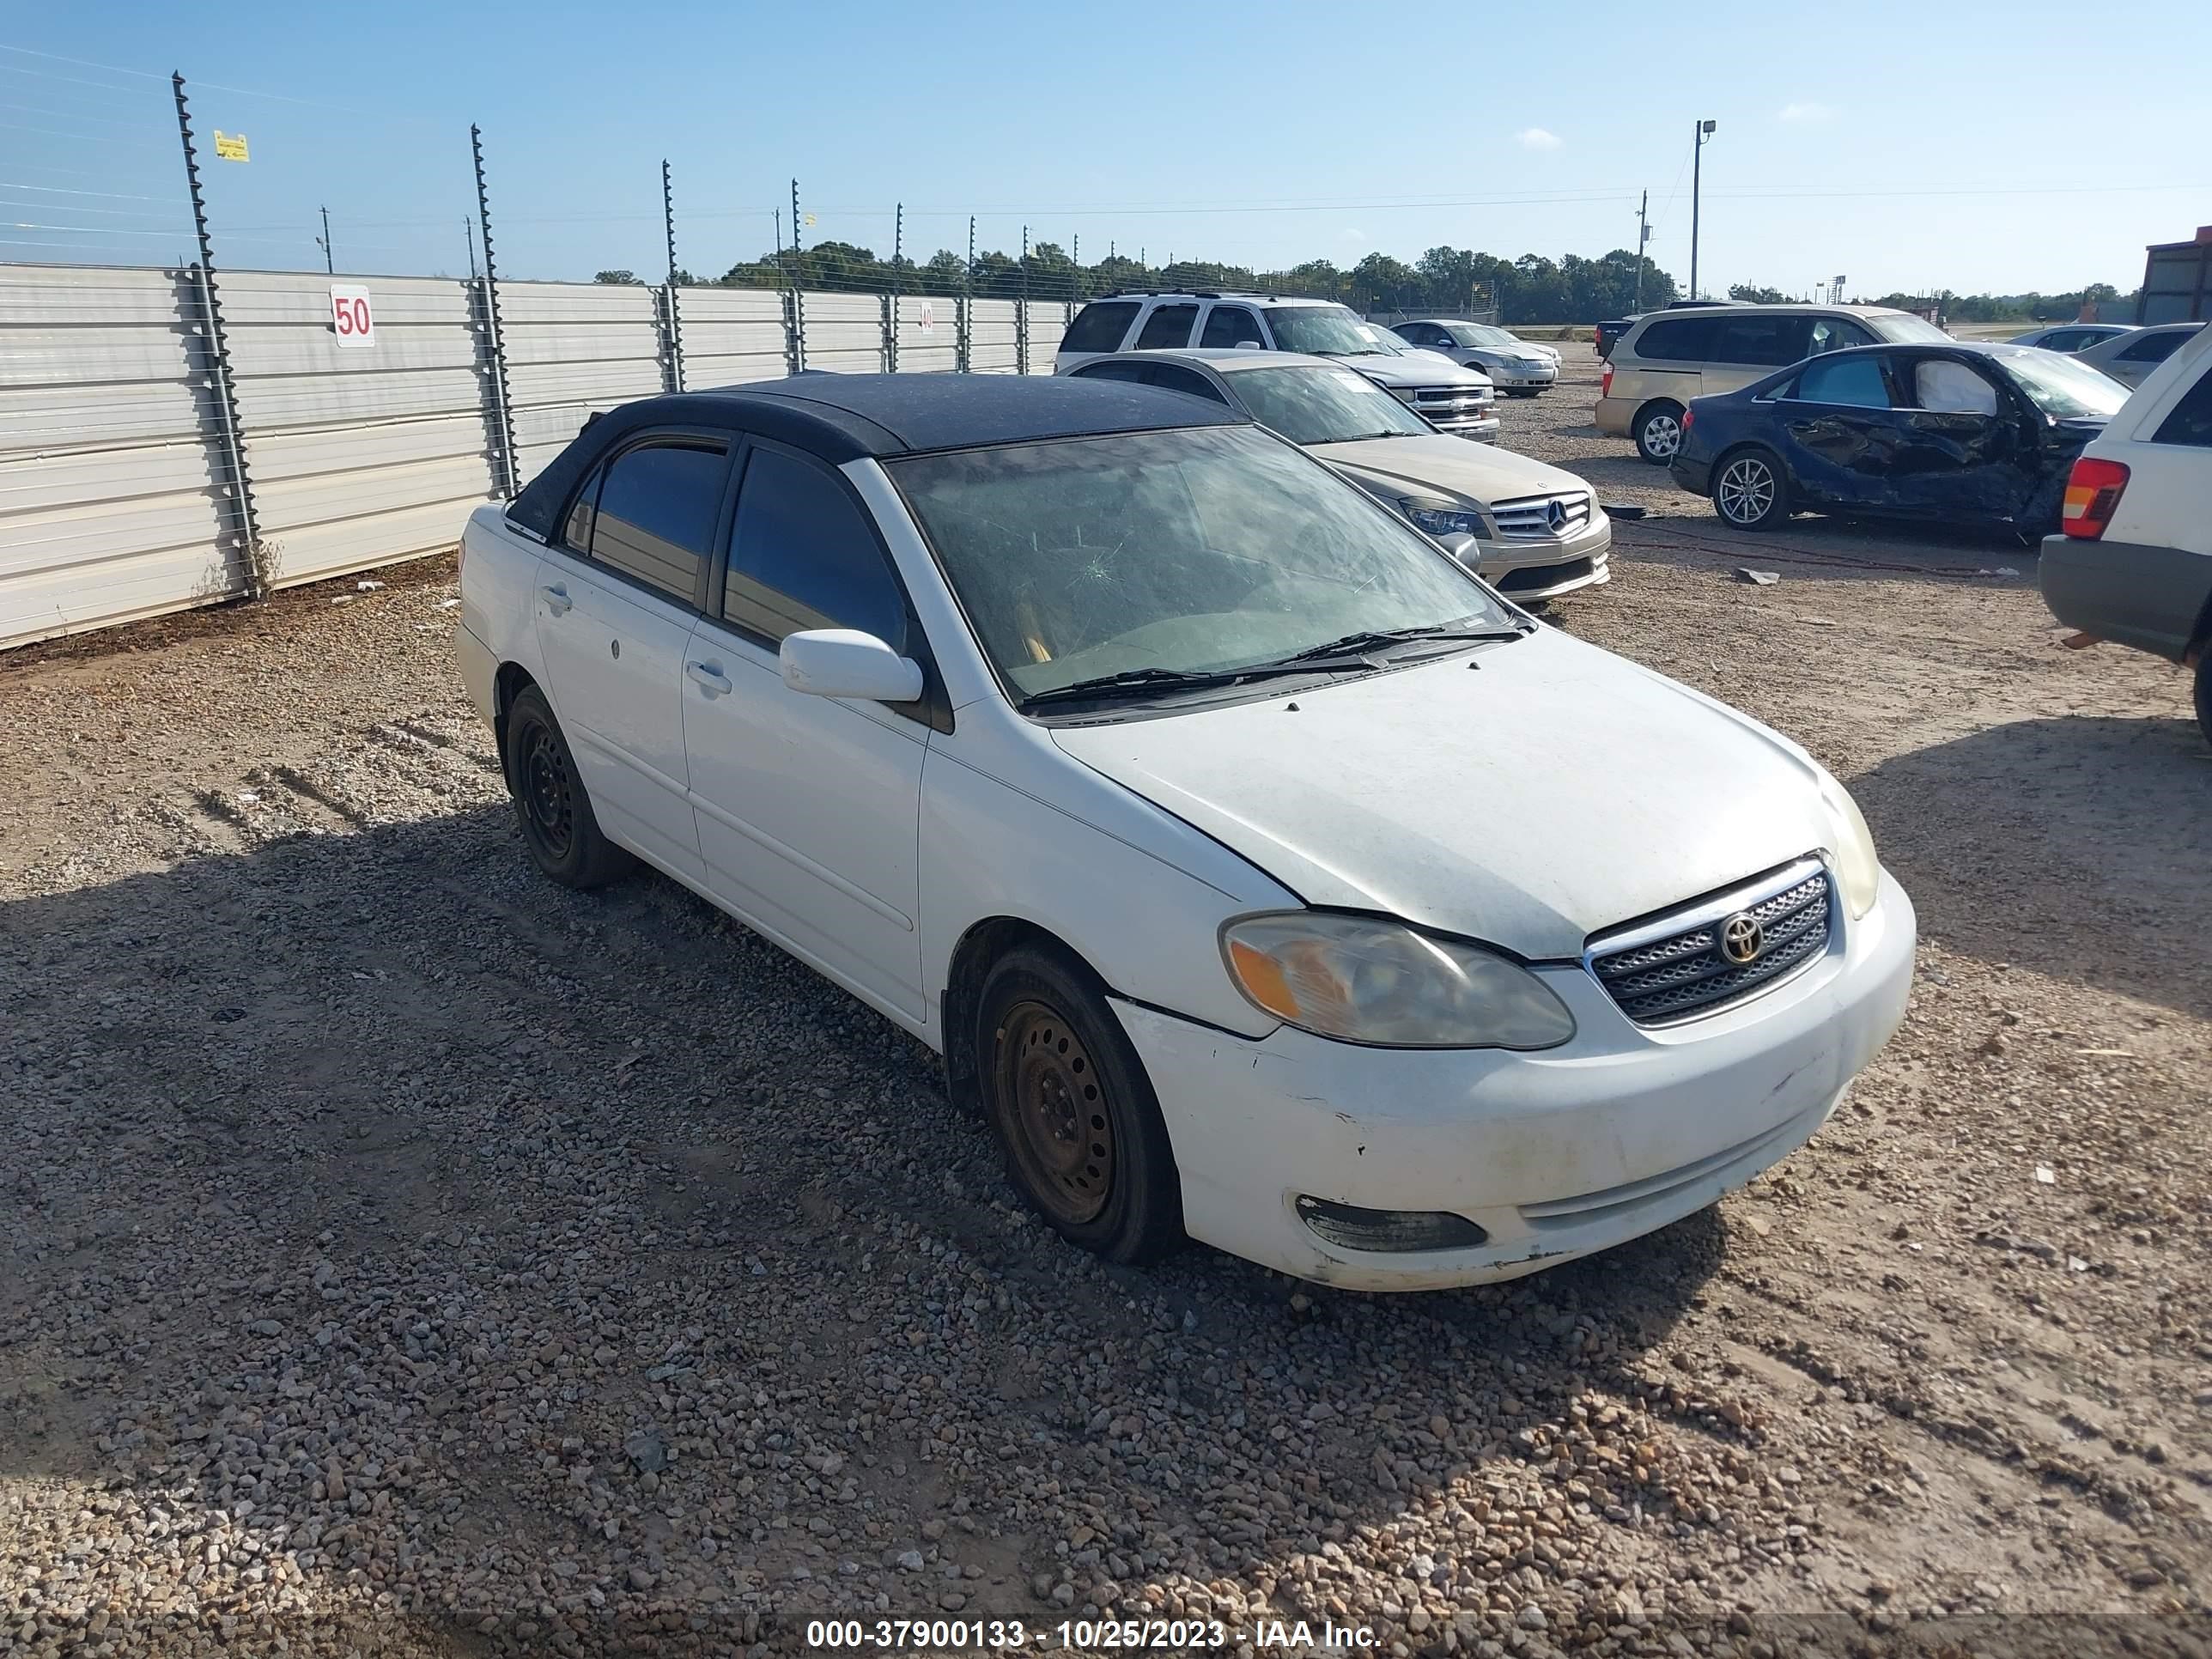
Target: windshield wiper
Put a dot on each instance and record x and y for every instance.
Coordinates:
(1372, 639)
(1142, 680)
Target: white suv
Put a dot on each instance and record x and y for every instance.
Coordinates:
(1452, 399)
(2134, 561)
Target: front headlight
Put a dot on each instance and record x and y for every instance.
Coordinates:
(1856, 866)
(1444, 520)
(1364, 979)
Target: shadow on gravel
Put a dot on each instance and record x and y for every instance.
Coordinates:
(369, 1197)
(2097, 831)
(1830, 549)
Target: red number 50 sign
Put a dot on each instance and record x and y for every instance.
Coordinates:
(350, 317)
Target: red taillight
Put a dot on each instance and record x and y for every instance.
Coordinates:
(2092, 495)
(1605, 386)
(1689, 418)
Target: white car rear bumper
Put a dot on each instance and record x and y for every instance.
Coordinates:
(1554, 1155)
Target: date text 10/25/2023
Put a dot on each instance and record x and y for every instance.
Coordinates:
(1089, 1635)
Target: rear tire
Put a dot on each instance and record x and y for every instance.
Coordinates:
(1659, 431)
(558, 825)
(1073, 1110)
(1751, 491)
(2204, 694)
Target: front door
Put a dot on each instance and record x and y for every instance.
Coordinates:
(1841, 430)
(807, 808)
(616, 602)
(1965, 453)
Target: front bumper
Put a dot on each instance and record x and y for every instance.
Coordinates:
(1523, 379)
(2150, 598)
(1554, 1155)
(1544, 570)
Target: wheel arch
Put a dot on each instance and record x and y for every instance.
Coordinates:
(982, 943)
(511, 680)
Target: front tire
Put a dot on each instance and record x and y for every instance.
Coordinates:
(1659, 432)
(1750, 489)
(558, 825)
(1073, 1110)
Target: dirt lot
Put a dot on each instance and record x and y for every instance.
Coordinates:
(399, 1254)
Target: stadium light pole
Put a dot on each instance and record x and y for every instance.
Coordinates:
(1704, 131)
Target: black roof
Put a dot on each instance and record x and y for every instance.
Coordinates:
(843, 418)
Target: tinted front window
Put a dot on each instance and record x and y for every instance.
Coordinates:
(1168, 326)
(1678, 340)
(803, 555)
(1833, 334)
(1232, 326)
(1200, 549)
(1903, 328)
(2190, 422)
(1099, 327)
(657, 512)
(2064, 387)
(1767, 341)
(1324, 405)
(1324, 330)
(1855, 382)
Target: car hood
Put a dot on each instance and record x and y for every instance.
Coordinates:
(1554, 792)
(1426, 369)
(1434, 465)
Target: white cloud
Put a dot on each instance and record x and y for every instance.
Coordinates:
(1807, 112)
(1537, 138)
(1351, 234)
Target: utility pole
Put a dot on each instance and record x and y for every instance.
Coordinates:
(469, 235)
(1697, 166)
(1642, 240)
(329, 266)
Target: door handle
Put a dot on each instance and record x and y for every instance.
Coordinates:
(557, 599)
(711, 680)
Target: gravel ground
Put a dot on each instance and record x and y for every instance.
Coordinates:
(401, 1255)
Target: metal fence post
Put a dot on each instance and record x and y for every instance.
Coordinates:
(508, 478)
(964, 357)
(891, 298)
(795, 322)
(1022, 312)
(248, 526)
(675, 322)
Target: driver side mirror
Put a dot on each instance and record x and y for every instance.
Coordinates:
(843, 662)
(1461, 546)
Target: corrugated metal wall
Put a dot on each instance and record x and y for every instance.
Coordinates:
(991, 336)
(116, 494)
(359, 457)
(572, 348)
(112, 506)
(731, 335)
(1048, 321)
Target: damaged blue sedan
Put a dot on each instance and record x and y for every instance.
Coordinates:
(1958, 433)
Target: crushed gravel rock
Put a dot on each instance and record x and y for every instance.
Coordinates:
(402, 1255)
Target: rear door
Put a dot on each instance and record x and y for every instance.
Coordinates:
(1842, 430)
(1752, 347)
(1232, 326)
(618, 597)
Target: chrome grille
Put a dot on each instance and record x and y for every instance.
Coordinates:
(1431, 397)
(1675, 967)
(1530, 517)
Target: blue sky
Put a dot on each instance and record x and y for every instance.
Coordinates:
(1903, 146)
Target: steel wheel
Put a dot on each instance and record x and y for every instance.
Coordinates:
(1745, 493)
(1052, 1099)
(549, 792)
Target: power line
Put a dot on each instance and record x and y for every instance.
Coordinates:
(81, 62)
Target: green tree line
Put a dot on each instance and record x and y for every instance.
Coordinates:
(2112, 305)
(1531, 289)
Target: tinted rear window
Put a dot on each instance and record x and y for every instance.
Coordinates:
(2190, 422)
(1168, 326)
(2153, 348)
(1099, 327)
(1768, 341)
(1678, 340)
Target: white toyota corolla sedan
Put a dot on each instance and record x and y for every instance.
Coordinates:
(1262, 876)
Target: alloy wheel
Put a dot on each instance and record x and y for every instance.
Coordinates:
(1663, 436)
(1745, 493)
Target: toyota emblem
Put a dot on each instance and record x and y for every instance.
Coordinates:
(1742, 939)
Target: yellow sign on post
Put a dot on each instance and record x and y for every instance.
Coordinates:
(229, 146)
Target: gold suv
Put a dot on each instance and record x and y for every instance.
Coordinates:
(1669, 357)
